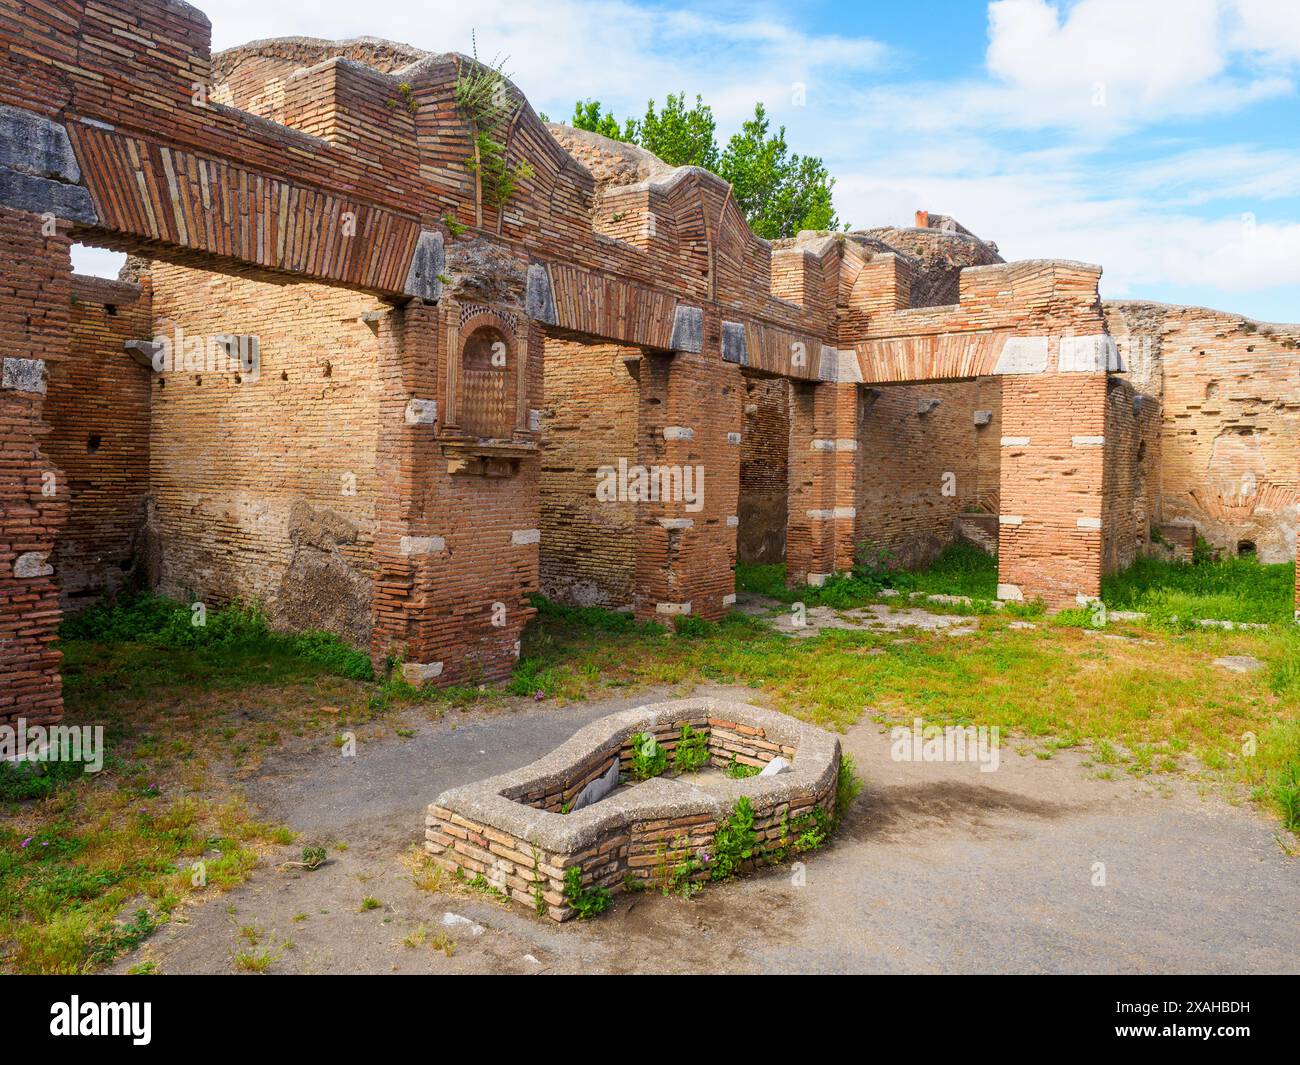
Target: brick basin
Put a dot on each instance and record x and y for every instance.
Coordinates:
(509, 828)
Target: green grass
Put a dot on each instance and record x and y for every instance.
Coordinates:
(1173, 594)
(1149, 701)
(761, 579)
(962, 569)
(91, 864)
(103, 861)
(1231, 589)
(237, 629)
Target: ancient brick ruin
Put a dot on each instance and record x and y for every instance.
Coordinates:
(343, 379)
(524, 830)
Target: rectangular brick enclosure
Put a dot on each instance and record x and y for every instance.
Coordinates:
(349, 375)
(518, 832)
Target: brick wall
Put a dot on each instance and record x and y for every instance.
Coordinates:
(35, 296)
(98, 410)
(265, 486)
(919, 467)
(1131, 504)
(458, 521)
(588, 548)
(1050, 535)
(988, 444)
(689, 416)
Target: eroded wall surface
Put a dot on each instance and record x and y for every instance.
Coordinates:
(264, 483)
(1131, 504)
(1230, 397)
(920, 467)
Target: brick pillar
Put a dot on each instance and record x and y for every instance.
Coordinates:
(456, 542)
(688, 436)
(1051, 487)
(820, 534)
(35, 303)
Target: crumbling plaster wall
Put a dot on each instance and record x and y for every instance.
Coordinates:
(764, 471)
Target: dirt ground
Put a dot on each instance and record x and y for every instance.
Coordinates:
(938, 867)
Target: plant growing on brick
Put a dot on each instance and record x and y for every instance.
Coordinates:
(484, 98)
(812, 828)
(675, 869)
(649, 759)
(734, 841)
(692, 753)
(584, 901)
(740, 771)
(847, 786)
(539, 900)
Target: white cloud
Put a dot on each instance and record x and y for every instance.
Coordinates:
(96, 262)
(1034, 210)
(1268, 27)
(1105, 67)
(612, 50)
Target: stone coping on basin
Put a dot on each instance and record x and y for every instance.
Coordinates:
(510, 829)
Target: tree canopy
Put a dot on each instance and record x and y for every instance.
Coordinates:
(779, 191)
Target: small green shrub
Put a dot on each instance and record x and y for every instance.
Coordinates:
(36, 780)
(692, 753)
(740, 771)
(734, 842)
(584, 901)
(1286, 795)
(690, 626)
(847, 786)
(649, 759)
(161, 622)
(1230, 589)
(811, 830)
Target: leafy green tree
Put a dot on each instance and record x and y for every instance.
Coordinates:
(587, 115)
(677, 136)
(779, 192)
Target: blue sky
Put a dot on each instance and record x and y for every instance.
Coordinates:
(1159, 138)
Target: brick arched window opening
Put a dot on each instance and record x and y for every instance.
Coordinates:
(488, 384)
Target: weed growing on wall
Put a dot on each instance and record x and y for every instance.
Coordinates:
(734, 842)
(484, 98)
(692, 753)
(847, 787)
(649, 759)
(740, 771)
(585, 901)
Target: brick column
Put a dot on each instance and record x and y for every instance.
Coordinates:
(456, 550)
(1051, 487)
(822, 515)
(688, 437)
(35, 302)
